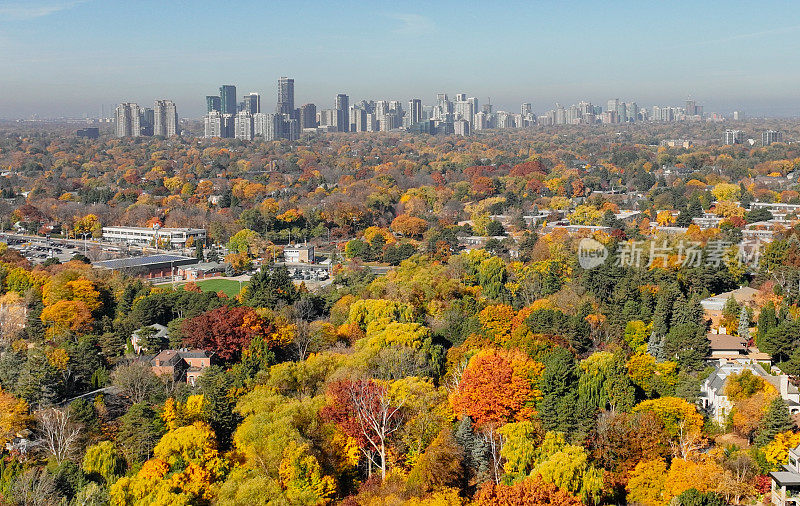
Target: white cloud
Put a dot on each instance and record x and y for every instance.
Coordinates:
(412, 24)
(21, 11)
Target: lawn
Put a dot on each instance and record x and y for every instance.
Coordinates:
(229, 286)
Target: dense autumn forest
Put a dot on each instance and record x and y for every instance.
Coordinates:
(486, 366)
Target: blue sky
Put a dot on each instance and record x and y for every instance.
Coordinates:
(67, 57)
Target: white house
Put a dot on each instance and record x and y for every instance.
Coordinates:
(786, 481)
(712, 392)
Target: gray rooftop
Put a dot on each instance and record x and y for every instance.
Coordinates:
(145, 261)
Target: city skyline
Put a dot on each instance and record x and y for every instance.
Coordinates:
(62, 61)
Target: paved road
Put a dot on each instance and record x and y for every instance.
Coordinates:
(105, 390)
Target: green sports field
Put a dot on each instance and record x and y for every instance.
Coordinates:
(229, 286)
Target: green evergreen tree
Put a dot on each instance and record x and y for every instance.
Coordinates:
(744, 324)
(662, 315)
(270, 287)
(559, 396)
(34, 329)
(767, 320)
(687, 344)
(693, 497)
(198, 250)
(776, 420)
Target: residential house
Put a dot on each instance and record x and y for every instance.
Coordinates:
(786, 481)
(161, 332)
(181, 365)
(712, 392)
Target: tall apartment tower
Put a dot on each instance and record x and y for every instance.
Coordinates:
(285, 96)
(342, 112)
(308, 116)
(463, 109)
(252, 103)
(227, 97)
(415, 110)
(127, 120)
(770, 136)
(243, 125)
(213, 124)
(213, 103)
(358, 119)
(733, 137)
(165, 118)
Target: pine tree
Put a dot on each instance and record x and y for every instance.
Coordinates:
(767, 320)
(198, 250)
(559, 395)
(744, 324)
(654, 347)
(775, 421)
(34, 329)
(663, 311)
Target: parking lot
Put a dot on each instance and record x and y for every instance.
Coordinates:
(39, 250)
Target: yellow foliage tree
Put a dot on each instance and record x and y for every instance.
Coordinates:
(14, 417)
(777, 451)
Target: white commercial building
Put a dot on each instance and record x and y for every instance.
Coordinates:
(175, 237)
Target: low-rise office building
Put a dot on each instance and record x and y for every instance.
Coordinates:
(171, 237)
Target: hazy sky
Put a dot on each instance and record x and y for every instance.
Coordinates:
(67, 57)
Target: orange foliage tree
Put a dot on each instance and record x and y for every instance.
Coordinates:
(409, 225)
(528, 492)
(65, 315)
(497, 387)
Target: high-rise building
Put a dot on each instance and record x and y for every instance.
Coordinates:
(343, 112)
(391, 120)
(358, 119)
(474, 101)
(228, 125)
(770, 136)
(415, 110)
(165, 118)
(285, 96)
(213, 103)
(561, 115)
(127, 120)
(622, 113)
(308, 116)
(612, 104)
(738, 116)
(291, 128)
(147, 121)
(691, 108)
(461, 97)
(733, 137)
(268, 125)
(443, 111)
(463, 110)
(480, 121)
(213, 124)
(243, 125)
(526, 108)
(633, 111)
(227, 98)
(461, 126)
(252, 103)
